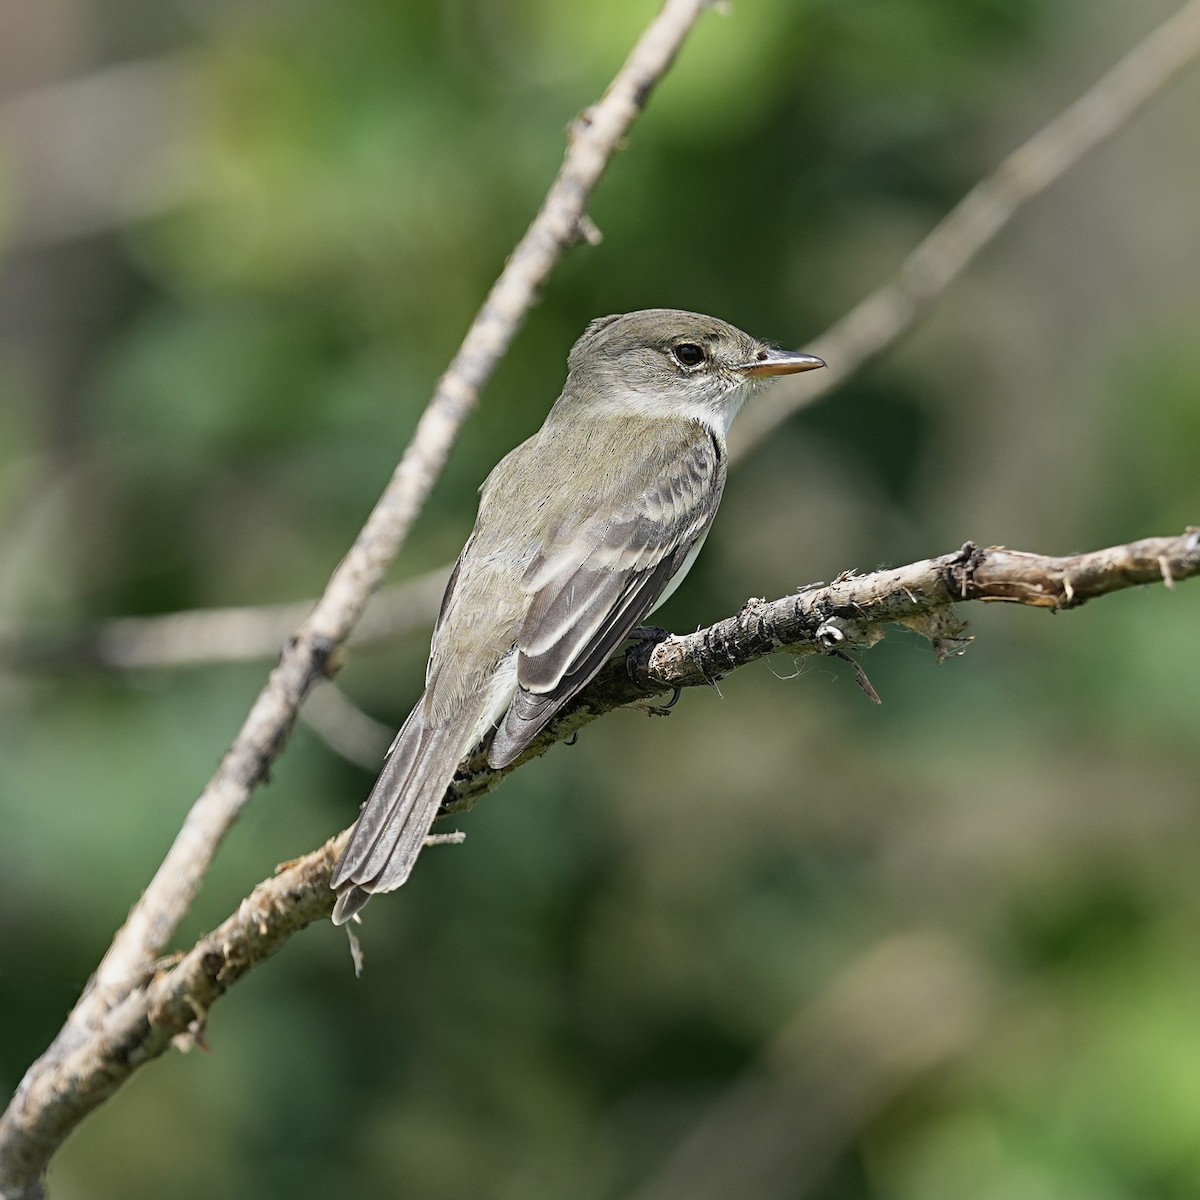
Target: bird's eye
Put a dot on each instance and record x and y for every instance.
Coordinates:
(688, 354)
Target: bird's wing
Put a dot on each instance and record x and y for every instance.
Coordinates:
(598, 579)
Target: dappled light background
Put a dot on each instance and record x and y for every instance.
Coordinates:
(784, 943)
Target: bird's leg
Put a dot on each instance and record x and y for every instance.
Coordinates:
(646, 637)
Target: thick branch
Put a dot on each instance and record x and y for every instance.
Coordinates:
(166, 1005)
(170, 1002)
(851, 614)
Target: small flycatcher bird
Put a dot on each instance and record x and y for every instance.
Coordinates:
(583, 530)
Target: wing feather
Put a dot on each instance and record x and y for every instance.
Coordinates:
(595, 583)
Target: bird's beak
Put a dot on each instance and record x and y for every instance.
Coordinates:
(779, 362)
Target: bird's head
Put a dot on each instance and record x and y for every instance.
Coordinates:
(663, 361)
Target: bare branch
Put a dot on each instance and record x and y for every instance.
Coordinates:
(166, 1005)
(892, 310)
(852, 614)
(242, 633)
(169, 1002)
(345, 728)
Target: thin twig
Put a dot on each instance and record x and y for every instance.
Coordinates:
(170, 1002)
(25, 1140)
(345, 728)
(241, 633)
(970, 225)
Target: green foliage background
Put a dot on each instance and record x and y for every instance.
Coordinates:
(216, 342)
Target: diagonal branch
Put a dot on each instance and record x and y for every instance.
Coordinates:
(557, 227)
(237, 634)
(170, 1002)
(938, 260)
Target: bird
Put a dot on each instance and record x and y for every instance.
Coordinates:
(583, 530)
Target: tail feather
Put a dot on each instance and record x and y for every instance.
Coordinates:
(398, 814)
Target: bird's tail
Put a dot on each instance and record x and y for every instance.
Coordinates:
(399, 812)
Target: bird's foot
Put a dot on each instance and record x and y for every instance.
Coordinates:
(645, 638)
(648, 633)
(662, 710)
